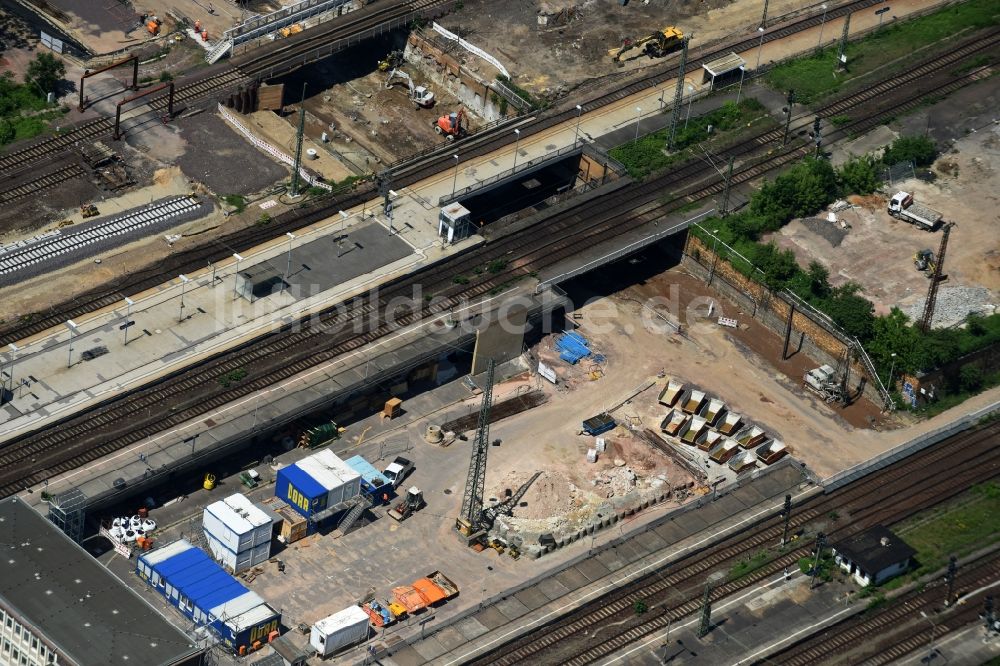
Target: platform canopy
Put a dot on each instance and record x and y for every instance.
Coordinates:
(722, 67)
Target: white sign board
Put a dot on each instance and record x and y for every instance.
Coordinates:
(51, 42)
(547, 372)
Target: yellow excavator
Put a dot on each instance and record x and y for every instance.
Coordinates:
(657, 45)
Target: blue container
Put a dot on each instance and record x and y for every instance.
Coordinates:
(203, 592)
(372, 480)
(302, 492)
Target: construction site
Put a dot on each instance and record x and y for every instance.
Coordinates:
(424, 331)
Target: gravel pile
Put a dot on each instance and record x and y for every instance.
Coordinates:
(954, 304)
(831, 231)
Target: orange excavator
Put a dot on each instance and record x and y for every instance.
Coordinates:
(450, 125)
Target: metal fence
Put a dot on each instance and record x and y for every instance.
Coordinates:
(898, 172)
(908, 448)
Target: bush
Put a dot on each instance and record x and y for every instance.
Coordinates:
(166, 76)
(970, 377)
(859, 175)
(917, 149)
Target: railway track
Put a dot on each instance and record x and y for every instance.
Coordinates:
(896, 629)
(412, 170)
(57, 246)
(608, 624)
(191, 392)
(40, 183)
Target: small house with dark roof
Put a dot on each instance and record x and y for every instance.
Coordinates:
(874, 555)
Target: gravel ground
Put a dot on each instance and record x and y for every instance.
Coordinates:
(954, 304)
(214, 151)
(831, 231)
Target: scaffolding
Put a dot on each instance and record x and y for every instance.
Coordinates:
(67, 511)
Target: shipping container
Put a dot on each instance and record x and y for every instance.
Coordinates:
(302, 493)
(341, 482)
(340, 630)
(203, 592)
(241, 561)
(373, 481)
(236, 523)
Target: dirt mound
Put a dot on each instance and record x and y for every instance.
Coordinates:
(552, 494)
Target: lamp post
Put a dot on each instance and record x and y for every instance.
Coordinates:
(388, 209)
(288, 263)
(14, 349)
(759, 48)
(517, 142)
(638, 117)
(73, 329)
(340, 239)
(715, 257)
(579, 115)
(128, 317)
(822, 25)
(454, 181)
(236, 274)
(184, 281)
(930, 644)
(739, 91)
(892, 369)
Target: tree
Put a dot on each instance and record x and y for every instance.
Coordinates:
(858, 176)
(852, 312)
(46, 71)
(970, 377)
(819, 276)
(7, 131)
(917, 149)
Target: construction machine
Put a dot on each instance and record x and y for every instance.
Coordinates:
(450, 125)
(924, 260)
(656, 45)
(153, 24)
(419, 95)
(413, 501)
(392, 61)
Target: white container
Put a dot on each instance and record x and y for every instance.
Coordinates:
(312, 154)
(340, 481)
(591, 455)
(237, 523)
(241, 561)
(601, 445)
(347, 627)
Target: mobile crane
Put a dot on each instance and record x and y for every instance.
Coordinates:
(419, 95)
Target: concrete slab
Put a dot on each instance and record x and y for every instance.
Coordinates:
(531, 597)
(491, 618)
(511, 608)
(450, 638)
(592, 569)
(552, 588)
(649, 541)
(470, 627)
(421, 653)
(571, 578)
(613, 558)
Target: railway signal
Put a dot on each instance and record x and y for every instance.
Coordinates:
(950, 578)
(786, 513)
(788, 115)
(820, 543)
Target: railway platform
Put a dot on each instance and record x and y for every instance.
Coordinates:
(95, 358)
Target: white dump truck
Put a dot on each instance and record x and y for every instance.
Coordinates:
(902, 206)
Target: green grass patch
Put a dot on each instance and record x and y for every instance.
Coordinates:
(648, 155)
(232, 377)
(756, 561)
(813, 77)
(970, 522)
(237, 201)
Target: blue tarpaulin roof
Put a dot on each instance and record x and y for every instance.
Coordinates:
(178, 562)
(302, 482)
